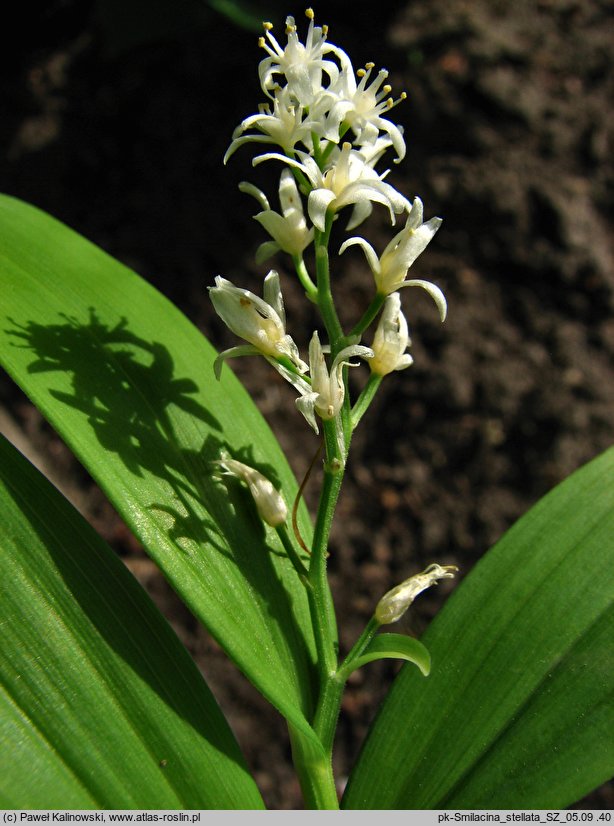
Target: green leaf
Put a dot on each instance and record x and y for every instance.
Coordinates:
(243, 14)
(100, 704)
(393, 646)
(128, 383)
(519, 709)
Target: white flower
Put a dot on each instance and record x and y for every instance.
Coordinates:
(361, 106)
(395, 603)
(288, 230)
(348, 179)
(391, 339)
(269, 502)
(260, 322)
(326, 392)
(302, 65)
(390, 270)
(284, 126)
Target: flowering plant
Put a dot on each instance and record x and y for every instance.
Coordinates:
(92, 671)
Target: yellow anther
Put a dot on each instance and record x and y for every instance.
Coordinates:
(387, 89)
(290, 29)
(267, 26)
(324, 30)
(390, 102)
(361, 72)
(309, 14)
(261, 42)
(369, 65)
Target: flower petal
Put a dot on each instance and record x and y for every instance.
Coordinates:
(271, 292)
(307, 406)
(266, 250)
(360, 213)
(233, 352)
(318, 202)
(434, 291)
(370, 254)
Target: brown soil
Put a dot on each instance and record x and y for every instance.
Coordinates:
(510, 135)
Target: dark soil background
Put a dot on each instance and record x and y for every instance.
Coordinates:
(115, 119)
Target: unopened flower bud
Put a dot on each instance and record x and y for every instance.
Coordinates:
(248, 316)
(269, 502)
(391, 339)
(395, 603)
(260, 321)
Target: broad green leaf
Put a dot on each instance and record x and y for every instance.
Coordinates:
(518, 711)
(128, 383)
(394, 646)
(100, 704)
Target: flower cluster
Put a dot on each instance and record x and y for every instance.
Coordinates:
(314, 104)
(328, 125)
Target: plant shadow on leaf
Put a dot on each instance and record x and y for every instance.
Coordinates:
(114, 376)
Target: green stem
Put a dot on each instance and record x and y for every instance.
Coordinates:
(323, 613)
(325, 297)
(327, 713)
(314, 770)
(325, 721)
(317, 152)
(323, 610)
(370, 313)
(365, 398)
(363, 641)
(301, 568)
(303, 276)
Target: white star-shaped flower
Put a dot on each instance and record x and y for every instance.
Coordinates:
(361, 105)
(349, 178)
(285, 126)
(302, 65)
